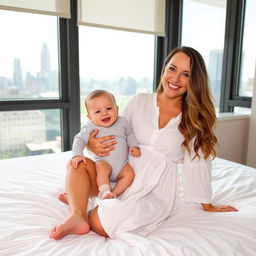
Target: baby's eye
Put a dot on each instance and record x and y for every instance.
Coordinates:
(109, 108)
(97, 112)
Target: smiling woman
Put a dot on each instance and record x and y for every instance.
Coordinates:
(171, 127)
(175, 78)
(189, 86)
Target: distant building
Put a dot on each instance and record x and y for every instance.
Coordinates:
(45, 59)
(45, 73)
(17, 74)
(52, 146)
(18, 128)
(215, 72)
(3, 83)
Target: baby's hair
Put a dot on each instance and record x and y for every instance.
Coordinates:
(97, 93)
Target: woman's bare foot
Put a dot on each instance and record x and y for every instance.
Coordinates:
(63, 197)
(74, 224)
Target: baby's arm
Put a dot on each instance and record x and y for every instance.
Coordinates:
(135, 151)
(79, 144)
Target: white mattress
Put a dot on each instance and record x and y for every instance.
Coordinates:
(29, 208)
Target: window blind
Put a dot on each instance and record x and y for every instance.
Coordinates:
(147, 16)
(60, 8)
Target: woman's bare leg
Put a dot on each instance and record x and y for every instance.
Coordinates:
(80, 185)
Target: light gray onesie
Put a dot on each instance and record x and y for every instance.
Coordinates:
(118, 157)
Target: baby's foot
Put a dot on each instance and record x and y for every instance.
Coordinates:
(63, 197)
(74, 224)
(108, 195)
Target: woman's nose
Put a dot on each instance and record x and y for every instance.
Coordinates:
(176, 76)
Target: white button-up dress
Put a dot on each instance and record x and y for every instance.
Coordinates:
(153, 195)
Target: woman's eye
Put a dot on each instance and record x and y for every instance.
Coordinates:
(185, 75)
(172, 68)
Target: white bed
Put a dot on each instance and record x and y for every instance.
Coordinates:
(29, 208)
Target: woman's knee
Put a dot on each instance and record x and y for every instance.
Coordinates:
(89, 168)
(95, 224)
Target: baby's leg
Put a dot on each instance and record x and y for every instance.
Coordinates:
(104, 170)
(125, 178)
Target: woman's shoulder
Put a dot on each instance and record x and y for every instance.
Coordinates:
(144, 97)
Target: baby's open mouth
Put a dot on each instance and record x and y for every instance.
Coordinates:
(105, 120)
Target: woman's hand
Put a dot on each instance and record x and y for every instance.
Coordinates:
(100, 146)
(218, 208)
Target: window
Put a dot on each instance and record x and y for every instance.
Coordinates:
(117, 61)
(248, 61)
(28, 56)
(203, 28)
(29, 132)
(39, 74)
(29, 72)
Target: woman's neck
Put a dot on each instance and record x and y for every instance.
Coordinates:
(168, 109)
(166, 102)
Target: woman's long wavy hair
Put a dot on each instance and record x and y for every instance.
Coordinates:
(198, 112)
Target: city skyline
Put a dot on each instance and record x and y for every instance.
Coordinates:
(46, 79)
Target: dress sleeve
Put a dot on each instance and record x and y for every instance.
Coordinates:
(196, 176)
(129, 108)
(131, 139)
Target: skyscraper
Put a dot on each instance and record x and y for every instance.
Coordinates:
(45, 59)
(215, 73)
(44, 74)
(17, 74)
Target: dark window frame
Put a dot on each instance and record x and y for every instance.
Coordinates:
(69, 85)
(233, 43)
(69, 102)
(231, 68)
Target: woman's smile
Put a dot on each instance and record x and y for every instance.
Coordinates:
(173, 86)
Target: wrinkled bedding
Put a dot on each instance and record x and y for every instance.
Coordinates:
(29, 208)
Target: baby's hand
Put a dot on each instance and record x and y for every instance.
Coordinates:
(135, 151)
(76, 160)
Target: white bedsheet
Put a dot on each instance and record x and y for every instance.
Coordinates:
(29, 208)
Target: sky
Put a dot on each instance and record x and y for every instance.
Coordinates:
(106, 53)
(25, 44)
(103, 52)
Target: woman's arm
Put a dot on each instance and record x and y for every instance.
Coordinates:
(197, 182)
(219, 208)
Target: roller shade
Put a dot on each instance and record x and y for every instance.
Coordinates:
(60, 8)
(147, 16)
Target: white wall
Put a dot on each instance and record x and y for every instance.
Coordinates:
(232, 133)
(237, 135)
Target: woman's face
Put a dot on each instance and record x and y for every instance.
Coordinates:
(175, 78)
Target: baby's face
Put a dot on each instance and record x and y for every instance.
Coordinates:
(102, 111)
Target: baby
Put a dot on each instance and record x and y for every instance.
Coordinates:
(103, 115)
